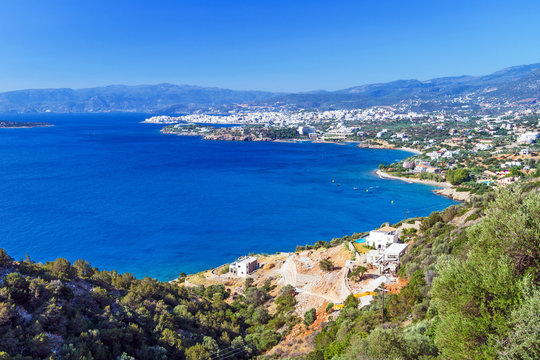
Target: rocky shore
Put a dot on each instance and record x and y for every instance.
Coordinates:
(446, 189)
(230, 137)
(453, 194)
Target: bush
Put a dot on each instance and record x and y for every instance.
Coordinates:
(357, 273)
(310, 316)
(326, 265)
(329, 307)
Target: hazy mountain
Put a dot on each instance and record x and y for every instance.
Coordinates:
(142, 98)
(516, 83)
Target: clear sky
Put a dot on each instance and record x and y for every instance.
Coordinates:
(276, 45)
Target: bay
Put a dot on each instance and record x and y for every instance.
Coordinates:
(118, 193)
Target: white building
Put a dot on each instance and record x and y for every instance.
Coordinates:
(511, 164)
(244, 266)
(483, 147)
(391, 255)
(426, 168)
(381, 133)
(306, 130)
(434, 155)
(408, 164)
(380, 239)
(374, 257)
(394, 252)
(528, 138)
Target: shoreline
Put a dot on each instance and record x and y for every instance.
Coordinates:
(244, 138)
(389, 147)
(444, 189)
(383, 175)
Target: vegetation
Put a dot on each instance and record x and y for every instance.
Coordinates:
(357, 273)
(457, 176)
(310, 316)
(326, 265)
(73, 311)
(472, 292)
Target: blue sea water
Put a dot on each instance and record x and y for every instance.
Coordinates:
(123, 196)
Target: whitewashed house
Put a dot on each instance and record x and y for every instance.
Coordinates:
(382, 238)
(394, 252)
(244, 266)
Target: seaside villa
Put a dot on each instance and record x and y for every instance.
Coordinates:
(387, 261)
(383, 237)
(244, 266)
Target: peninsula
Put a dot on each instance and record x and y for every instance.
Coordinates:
(21, 124)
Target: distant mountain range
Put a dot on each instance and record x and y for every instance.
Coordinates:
(514, 84)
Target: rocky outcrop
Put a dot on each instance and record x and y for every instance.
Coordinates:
(231, 137)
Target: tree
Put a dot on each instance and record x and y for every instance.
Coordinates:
(326, 265)
(62, 269)
(197, 352)
(310, 316)
(256, 296)
(210, 345)
(357, 273)
(5, 259)
(248, 283)
(260, 316)
(7, 312)
(523, 341)
(476, 297)
(457, 176)
(286, 299)
(83, 268)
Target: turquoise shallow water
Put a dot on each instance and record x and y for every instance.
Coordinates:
(124, 196)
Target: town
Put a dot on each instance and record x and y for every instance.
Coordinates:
(464, 151)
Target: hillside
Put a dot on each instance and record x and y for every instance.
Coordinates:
(514, 84)
(472, 290)
(468, 289)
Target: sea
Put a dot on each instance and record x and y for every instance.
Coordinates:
(118, 193)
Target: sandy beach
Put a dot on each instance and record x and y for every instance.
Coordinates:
(389, 147)
(385, 175)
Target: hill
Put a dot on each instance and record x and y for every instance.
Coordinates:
(472, 290)
(469, 290)
(519, 83)
(514, 83)
(142, 98)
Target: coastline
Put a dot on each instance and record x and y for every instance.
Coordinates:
(444, 189)
(384, 175)
(389, 147)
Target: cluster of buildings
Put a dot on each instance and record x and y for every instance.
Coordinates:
(387, 249)
(528, 138)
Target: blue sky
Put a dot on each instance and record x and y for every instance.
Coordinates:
(275, 45)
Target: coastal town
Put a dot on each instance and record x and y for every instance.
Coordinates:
(463, 152)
